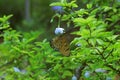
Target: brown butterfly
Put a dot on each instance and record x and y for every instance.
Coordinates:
(62, 42)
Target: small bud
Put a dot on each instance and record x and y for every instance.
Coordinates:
(23, 71)
(108, 78)
(87, 74)
(58, 9)
(78, 44)
(100, 70)
(59, 31)
(16, 69)
(74, 77)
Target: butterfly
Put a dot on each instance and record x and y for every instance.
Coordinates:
(62, 42)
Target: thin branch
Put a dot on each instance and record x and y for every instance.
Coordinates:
(114, 69)
(78, 72)
(113, 25)
(109, 53)
(100, 53)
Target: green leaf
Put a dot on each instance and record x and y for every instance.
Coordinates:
(96, 32)
(89, 6)
(58, 4)
(85, 33)
(106, 8)
(63, 1)
(100, 41)
(72, 4)
(66, 74)
(65, 4)
(65, 17)
(81, 12)
(5, 18)
(111, 38)
(79, 21)
(92, 42)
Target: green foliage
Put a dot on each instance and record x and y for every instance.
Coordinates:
(22, 56)
(65, 4)
(4, 22)
(99, 32)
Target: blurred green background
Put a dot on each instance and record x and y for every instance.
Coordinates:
(29, 15)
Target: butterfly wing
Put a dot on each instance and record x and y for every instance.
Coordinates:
(62, 42)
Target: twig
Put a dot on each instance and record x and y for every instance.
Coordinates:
(113, 25)
(109, 53)
(114, 69)
(78, 71)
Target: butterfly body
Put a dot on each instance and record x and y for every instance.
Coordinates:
(62, 42)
